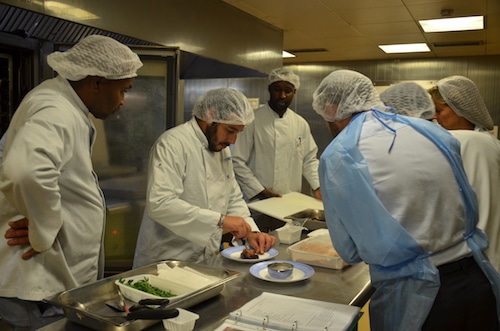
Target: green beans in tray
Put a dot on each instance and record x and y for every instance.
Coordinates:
(145, 286)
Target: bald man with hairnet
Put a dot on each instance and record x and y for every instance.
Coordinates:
(51, 207)
(416, 228)
(192, 195)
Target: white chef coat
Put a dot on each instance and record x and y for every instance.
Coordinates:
(481, 158)
(189, 187)
(46, 175)
(275, 153)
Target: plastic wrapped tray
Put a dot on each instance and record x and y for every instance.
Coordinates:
(317, 251)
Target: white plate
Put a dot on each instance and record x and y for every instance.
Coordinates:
(301, 271)
(234, 253)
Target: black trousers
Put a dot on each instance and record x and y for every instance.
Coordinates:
(465, 301)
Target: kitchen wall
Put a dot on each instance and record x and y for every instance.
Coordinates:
(209, 28)
(483, 70)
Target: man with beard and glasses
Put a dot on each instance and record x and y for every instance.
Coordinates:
(193, 196)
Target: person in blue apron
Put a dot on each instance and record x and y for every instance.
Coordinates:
(396, 197)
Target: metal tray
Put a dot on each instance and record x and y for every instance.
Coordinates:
(86, 305)
(311, 214)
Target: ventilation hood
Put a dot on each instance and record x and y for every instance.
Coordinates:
(28, 24)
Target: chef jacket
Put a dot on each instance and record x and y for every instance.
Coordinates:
(402, 271)
(481, 157)
(275, 152)
(189, 187)
(46, 176)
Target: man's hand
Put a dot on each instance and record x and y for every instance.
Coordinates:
(17, 235)
(238, 227)
(267, 193)
(317, 194)
(260, 241)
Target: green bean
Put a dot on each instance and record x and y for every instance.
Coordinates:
(145, 286)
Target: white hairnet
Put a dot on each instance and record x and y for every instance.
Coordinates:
(347, 92)
(224, 105)
(462, 96)
(95, 55)
(284, 75)
(410, 99)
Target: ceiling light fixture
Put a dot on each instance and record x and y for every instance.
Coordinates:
(405, 48)
(453, 24)
(286, 54)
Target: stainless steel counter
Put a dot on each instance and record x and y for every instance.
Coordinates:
(348, 286)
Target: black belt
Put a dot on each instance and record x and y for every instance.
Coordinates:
(457, 265)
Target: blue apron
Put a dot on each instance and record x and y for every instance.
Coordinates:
(406, 280)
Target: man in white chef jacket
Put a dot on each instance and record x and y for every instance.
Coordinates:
(52, 210)
(192, 195)
(277, 150)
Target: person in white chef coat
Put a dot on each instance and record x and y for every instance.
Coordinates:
(460, 109)
(396, 197)
(52, 210)
(276, 151)
(192, 195)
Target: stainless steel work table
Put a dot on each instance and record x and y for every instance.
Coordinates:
(348, 286)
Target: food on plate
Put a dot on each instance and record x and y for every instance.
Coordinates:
(248, 253)
(145, 286)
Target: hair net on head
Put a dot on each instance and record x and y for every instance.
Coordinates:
(95, 55)
(224, 105)
(284, 75)
(410, 99)
(462, 96)
(347, 92)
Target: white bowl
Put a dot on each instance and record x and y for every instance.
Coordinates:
(184, 322)
(289, 234)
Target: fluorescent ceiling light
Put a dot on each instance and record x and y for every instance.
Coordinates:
(287, 54)
(405, 48)
(453, 24)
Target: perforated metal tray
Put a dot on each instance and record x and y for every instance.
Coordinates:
(86, 305)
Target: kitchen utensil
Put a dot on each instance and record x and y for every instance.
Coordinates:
(145, 303)
(280, 270)
(146, 314)
(184, 322)
(308, 214)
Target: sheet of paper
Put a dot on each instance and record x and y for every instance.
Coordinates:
(281, 312)
(288, 204)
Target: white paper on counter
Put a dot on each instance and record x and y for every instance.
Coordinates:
(288, 204)
(271, 311)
